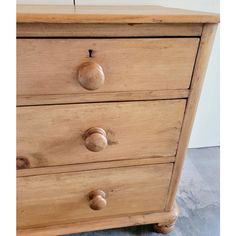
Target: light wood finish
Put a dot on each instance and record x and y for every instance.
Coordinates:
(198, 78)
(111, 14)
(54, 135)
(165, 228)
(90, 74)
(105, 223)
(22, 163)
(198, 184)
(23, 100)
(128, 189)
(129, 65)
(106, 30)
(94, 166)
(108, 153)
(97, 200)
(168, 226)
(95, 139)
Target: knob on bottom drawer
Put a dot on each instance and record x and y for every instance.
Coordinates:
(97, 200)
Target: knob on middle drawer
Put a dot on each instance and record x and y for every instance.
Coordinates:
(90, 75)
(95, 139)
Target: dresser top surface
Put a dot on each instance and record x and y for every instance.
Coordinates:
(110, 14)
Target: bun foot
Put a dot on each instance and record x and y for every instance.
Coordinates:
(164, 228)
(168, 225)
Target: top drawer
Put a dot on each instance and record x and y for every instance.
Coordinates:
(47, 69)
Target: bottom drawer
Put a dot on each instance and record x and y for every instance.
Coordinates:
(65, 198)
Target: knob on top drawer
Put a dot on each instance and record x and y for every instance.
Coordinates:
(132, 68)
(90, 75)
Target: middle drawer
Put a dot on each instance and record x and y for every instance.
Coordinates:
(62, 134)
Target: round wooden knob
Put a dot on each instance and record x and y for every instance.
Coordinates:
(90, 75)
(95, 139)
(97, 200)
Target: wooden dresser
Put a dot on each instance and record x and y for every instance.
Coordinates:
(106, 99)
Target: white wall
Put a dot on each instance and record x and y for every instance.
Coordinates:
(206, 130)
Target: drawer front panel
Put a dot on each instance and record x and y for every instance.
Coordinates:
(55, 135)
(49, 67)
(64, 198)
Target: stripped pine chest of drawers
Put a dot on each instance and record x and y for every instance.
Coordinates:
(106, 99)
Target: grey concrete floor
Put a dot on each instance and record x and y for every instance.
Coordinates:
(198, 199)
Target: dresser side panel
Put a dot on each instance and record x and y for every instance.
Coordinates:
(204, 52)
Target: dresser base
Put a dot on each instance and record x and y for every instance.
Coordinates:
(168, 226)
(164, 228)
(163, 223)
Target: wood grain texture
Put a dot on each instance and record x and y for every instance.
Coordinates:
(23, 100)
(95, 139)
(106, 30)
(137, 174)
(105, 223)
(111, 14)
(166, 227)
(48, 200)
(54, 135)
(93, 166)
(90, 74)
(195, 91)
(97, 200)
(198, 199)
(129, 65)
